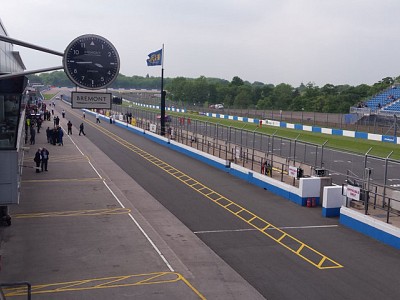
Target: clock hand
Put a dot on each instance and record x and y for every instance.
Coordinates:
(84, 62)
(98, 65)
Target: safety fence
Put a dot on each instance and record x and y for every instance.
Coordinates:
(376, 200)
(274, 155)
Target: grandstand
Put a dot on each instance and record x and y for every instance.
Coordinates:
(394, 107)
(387, 101)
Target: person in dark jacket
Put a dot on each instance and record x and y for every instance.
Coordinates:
(38, 159)
(48, 134)
(33, 135)
(60, 136)
(54, 136)
(81, 127)
(69, 126)
(45, 158)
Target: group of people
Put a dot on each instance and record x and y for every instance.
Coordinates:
(55, 135)
(41, 159)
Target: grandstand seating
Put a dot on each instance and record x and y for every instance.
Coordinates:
(387, 100)
(395, 107)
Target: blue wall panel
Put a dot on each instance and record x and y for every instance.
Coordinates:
(361, 135)
(370, 231)
(298, 126)
(337, 132)
(389, 139)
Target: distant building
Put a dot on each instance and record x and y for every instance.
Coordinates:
(10, 60)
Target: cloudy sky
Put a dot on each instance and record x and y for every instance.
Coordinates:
(271, 41)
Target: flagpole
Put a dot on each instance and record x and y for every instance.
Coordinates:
(163, 94)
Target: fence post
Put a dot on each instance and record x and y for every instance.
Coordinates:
(385, 179)
(322, 153)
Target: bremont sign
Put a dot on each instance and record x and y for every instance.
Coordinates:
(91, 100)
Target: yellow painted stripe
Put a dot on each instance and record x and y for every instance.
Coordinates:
(63, 180)
(198, 187)
(104, 283)
(92, 212)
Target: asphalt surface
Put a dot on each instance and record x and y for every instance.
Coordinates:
(86, 230)
(355, 266)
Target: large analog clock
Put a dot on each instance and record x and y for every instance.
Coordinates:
(91, 62)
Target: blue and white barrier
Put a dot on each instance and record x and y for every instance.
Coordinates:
(339, 132)
(316, 129)
(374, 228)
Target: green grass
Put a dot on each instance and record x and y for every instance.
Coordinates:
(48, 96)
(360, 146)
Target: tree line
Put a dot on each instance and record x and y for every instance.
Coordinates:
(238, 93)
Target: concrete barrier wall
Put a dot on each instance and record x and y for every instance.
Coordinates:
(332, 201)
(376, 229)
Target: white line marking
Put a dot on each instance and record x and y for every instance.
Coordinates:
(220, 231)
(142, 230)
(253, 229)
(305, 227)
(130, 215)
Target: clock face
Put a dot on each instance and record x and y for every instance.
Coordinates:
(91, 62)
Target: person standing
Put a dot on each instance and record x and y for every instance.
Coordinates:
(39, 124)
(38, 159)
(81, 128)
(33, 135)
(48, 134)
(97, 118)
(57, 120)
(60, 133)
(84, 115)
(63, 113)
(54, 136)
(69, 127)
(45, 158)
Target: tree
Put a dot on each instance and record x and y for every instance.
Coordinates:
(281, 97)
(243, 98)
(236, 81)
